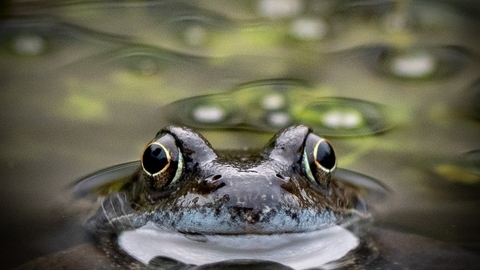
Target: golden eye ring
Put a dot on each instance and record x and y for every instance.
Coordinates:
(151, 161)
(328, 154)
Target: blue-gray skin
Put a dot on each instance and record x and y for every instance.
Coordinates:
(272, 190)
(198, 201)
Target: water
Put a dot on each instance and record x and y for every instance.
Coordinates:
(84, 86)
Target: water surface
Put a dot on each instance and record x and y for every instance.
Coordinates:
(393, 85)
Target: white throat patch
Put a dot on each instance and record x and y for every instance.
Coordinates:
(297, 250)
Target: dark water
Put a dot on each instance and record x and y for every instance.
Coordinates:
(394, 85)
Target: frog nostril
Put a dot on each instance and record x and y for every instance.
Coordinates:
(212, 177)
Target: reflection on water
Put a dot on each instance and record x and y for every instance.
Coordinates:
(270, 105)
(421, 63)
(393, 84)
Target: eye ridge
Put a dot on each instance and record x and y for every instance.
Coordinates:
(167, 154)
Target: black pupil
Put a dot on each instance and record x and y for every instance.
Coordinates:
(154, 159)
(325, 155)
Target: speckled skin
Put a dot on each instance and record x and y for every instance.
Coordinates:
(235, 192)
(202, 203)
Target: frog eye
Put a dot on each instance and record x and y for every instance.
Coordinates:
(319, 161)
(162, 162)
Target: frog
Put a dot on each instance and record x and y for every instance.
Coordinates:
(185, 205)
(291, 189)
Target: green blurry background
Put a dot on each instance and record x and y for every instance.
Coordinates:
(84, 84)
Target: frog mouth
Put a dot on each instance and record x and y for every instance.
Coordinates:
(234, 221)
(117, 216)
(297, 250)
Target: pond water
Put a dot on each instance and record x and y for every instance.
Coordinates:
(393, 85)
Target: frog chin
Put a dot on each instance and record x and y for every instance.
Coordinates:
(297, 250)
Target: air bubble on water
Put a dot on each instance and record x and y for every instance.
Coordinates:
(195, 35)
(275, 9)
(278, 119)
(308, 28)
(413, 65)
(209, 114)
(338, 119)
(273, 102)
(29, 44)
